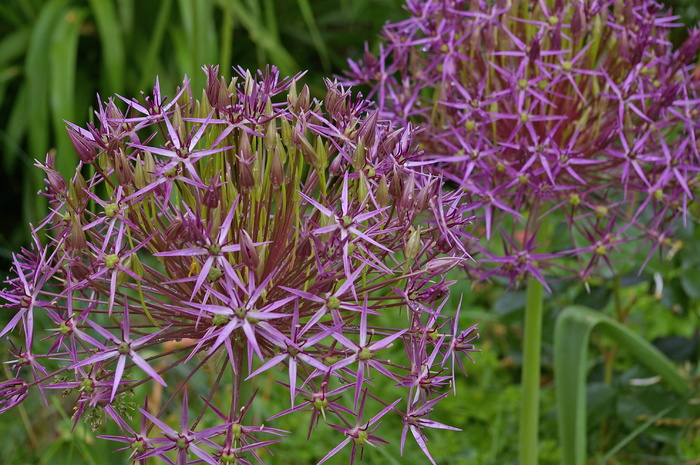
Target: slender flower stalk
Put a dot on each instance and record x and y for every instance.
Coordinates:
(252, 228)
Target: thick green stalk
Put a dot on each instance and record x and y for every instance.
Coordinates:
(530, 406)
(532, 350)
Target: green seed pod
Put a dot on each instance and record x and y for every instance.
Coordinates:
(76, 240)
(383, 192)
(286, 130)
(358, 156)
(413, 245)
(321, 153)
(276, 169)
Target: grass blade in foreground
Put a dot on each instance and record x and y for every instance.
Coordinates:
(571, 336)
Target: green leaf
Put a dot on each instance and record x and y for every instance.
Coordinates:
(63, 55)
(571, 338)
(266, 40)
(690, 280)
(155, 44)
(37, 71)
(112, 43)
(198, 46)
(643, 427)
(13, 45)
(308, 15)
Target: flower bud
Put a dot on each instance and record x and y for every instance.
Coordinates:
(335, 101)
(249, 85)
(396, 186)
(368, 130)
(271, 134)
(123, 277)
(424, 195)
(178, 123)
(689, 49)
(276, 169)
(534, 50)
(245, 150)
(246, 179)
(337, 166)
(81, 145)
(141, 177)
(578, 21)
(307, 151)
(358, 156)
(76, 192)
(212, 196)
(122, 168)
(76, 239)
(134, 264)
(321, 153)
(248, 253)
(442, 265)
(302, 103)
(223, 98)
(362, 190)
(292, 95)
(555, 36)
(383, 192)
(601, 211)
(56, 184)
(213, 84)
(487, 37)
(413, 245)
(232, 95)
(408, 194)
(286, 131)
(12, 392)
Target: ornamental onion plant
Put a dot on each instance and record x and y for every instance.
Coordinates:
(572, 126)
(208, 240)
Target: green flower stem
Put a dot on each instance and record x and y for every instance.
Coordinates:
(532, 360)
(530, 406)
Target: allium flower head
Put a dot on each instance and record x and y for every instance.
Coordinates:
(253, 228)
(572, 108)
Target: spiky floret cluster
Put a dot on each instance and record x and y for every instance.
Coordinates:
(251, 229)
(577, 109)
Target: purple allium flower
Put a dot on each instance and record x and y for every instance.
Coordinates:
(577, 110)
(253, 229)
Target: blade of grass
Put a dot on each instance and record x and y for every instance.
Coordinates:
(571, 339)
(265, 40)
(11, 13)
(36, 71)
(316, 38)
(198, 48)
(11, 135)
(112, 45)
(641, 428)
(63, 56)
(13, 46)
(226, 42)
(125, 14)
(155, 44)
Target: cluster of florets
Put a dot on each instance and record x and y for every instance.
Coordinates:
(222, 237)
(579, 110)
